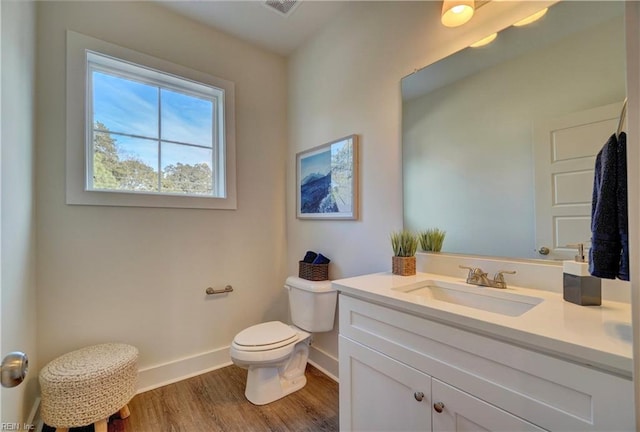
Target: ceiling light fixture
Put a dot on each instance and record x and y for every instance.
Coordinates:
(532, 18)
(456, 12)
(484, 41)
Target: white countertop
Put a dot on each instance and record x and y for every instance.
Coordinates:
(598, 336)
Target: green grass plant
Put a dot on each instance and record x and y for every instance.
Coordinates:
(404, 243)
(431, 240)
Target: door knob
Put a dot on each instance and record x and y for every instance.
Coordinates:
(13, 369)
(544, 250)
(438, 406)
(419, 396)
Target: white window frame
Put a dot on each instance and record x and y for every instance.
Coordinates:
(80, 49)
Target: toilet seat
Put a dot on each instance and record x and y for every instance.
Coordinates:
(265, 337)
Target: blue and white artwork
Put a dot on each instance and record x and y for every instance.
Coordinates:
(326, 181)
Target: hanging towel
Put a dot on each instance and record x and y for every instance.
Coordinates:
(621, 199)
(604, 256)
(609, 212)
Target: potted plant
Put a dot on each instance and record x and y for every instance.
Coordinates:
(404, 244)
(432, 239)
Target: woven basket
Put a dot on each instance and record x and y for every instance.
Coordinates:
(313, 272)
(403, 266)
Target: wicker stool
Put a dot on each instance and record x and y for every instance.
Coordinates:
(88, 385)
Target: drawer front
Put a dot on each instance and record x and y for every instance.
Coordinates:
(549, 392)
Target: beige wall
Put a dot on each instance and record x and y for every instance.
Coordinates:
(18, 201)
(347, 80)
(139, 275)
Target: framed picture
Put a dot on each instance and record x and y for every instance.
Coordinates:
(327, 180)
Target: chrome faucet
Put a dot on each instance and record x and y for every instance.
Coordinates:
(478, 277)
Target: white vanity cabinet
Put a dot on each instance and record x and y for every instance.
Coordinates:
(381, 393)
(458, 411)
(403, 372)
(385, 395)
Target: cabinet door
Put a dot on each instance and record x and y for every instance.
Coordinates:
(378, 393)
(455, 410)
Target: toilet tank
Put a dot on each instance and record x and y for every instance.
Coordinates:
(312, 304)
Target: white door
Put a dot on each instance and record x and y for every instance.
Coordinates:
(0, 192)
(379, 393)
(565, 149)
(458, 411)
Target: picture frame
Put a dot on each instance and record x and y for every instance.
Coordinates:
(327, 180)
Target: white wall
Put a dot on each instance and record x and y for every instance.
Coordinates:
(18, 201)
(347, 80)
(496, 138)
(139, 275)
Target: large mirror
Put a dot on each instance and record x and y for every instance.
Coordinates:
(499, 142)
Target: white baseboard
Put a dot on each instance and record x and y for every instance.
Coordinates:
(324, 362)
(177, 370)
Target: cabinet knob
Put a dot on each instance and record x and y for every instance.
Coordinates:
(438, 406)
(419, 396)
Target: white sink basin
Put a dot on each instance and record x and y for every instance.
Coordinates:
(487, 299)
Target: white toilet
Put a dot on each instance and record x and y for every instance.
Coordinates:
(276, 353)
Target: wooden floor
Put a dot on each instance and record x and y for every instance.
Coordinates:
(215, 402)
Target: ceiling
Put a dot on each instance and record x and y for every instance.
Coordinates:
(252, 21)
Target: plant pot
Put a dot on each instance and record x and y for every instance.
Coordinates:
(403, 266)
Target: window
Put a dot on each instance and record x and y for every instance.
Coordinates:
(153, 134)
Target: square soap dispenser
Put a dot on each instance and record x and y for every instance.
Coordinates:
(579, 286)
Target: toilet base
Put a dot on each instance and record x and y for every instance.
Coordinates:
(268, 384)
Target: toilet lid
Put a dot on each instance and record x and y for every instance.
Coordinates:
(269, 333)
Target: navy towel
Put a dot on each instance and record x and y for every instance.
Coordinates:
(621, 199)
(609, 224)
(321, 259)
(309, 257)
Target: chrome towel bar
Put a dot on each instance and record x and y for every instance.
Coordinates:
(227, 289)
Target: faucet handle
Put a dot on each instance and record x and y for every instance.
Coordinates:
(498, 278)
(471, 274)
(499, 274)
(476, 276)
(472, 270)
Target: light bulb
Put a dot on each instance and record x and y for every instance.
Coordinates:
(532, 18)
(484, 41)
(456, 12)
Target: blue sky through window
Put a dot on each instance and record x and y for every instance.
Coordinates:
(125, 106)
(186, 118)
(174, 153)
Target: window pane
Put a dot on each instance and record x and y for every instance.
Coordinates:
(186, 118)
(186, 169)
(125, 106)
(124, 163)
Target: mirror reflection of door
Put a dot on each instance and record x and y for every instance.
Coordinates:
(565, 149)
(467, 138)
